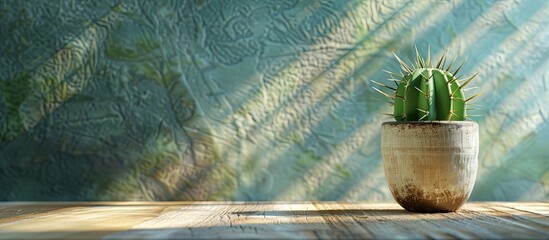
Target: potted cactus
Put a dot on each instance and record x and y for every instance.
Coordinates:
(430, 151)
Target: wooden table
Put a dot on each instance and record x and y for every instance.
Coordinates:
(266, 220)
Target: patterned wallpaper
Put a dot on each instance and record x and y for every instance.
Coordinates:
(252, 100)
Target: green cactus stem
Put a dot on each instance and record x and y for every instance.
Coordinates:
(427, 93)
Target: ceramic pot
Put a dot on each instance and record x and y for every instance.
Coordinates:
(430, 166)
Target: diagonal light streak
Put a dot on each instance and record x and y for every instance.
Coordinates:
(66, 72)
(323, 88)
(315, 178)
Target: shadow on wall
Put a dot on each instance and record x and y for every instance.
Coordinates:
(130, 127)
(97, 121)
(209, 100)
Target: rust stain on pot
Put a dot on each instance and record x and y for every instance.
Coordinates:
(416, 200)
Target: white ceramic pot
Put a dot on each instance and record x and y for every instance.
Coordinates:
(430, 166)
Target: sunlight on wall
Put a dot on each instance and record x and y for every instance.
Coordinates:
(243, 100)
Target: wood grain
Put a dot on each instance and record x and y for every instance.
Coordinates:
(267, 220)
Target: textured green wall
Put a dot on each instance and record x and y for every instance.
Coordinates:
(252, 100)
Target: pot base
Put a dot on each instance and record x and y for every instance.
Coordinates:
(417, 200)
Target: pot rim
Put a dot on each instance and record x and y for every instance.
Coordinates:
(434, 122)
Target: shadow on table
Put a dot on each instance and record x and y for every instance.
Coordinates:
(335, 212)
(354, 223)
(355, 227)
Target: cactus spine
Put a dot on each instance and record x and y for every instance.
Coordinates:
(426, 93)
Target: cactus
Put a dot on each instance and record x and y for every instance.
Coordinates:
(427, 93)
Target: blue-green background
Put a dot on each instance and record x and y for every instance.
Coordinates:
(252, 100)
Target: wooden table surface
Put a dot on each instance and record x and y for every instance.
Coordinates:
(267, 220)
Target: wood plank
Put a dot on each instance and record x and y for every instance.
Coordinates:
(490, 223)
(240, 221)
(526, 216)
(391, 221)
(10, 214)
(77, 221)
(267, 220)
(531, 208)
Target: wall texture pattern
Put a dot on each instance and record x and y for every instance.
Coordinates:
(252, 100)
